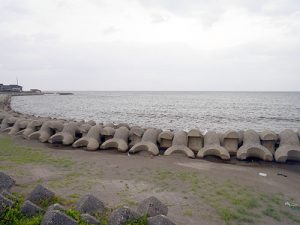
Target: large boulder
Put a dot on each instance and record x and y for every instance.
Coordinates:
(159, 220)
(6, 182)
(89, 219)
(5, 203)
(40, 195)
(90, 204)
(30, 209)
(55, 217)
(122, 215)
(152, 207)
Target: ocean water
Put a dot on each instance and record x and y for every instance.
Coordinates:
(218, 111)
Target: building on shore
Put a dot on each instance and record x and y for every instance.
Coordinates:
(11, 88)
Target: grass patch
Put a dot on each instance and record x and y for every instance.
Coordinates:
(13, 216)
(271, 212)
(19, 155)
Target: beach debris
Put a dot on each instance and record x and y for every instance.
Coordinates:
(67, 135)
(230, 141)
(292, 205)
(212, 147)
(179, 144)
(107, 133)
(165, 139)
(289, 148)
(90, 219)
(122, 215)
(268, 140)
(92, 140)
(6, 182)
(252, 148)
(135, 135)
(48, 128)
(40, 194)
(262, 174)
(119, 141)
(281, 174)
(159, 220)
(55, 217)
(151, 207)
(4, 203)
(148, 142)
(195, 140)
(30, 209)
(90, 204)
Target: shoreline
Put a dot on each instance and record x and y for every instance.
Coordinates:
(231, 144)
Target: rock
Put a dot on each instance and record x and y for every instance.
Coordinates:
(8, 195)
(90, 204)
(30, 209)
(4, 203)
(122, 215)
(90, 219)
(58, 207)
(55, 217)
(159, 220)
(152, 207)
(6, 182)
(40, 194)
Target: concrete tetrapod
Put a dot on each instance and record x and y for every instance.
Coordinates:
(165, 139)
(230, 141)
(119, 141)
(268, 140)
(252, 147)
(108, 133)
(92, 140)
(67, 135)
(212, 147)
(289, 148)
(31, 127)
(148, 142)
(47, 130)
(179, 144)
(7, 122)
(195, 140)
(20, 124)
(135, 135)
(123, 125)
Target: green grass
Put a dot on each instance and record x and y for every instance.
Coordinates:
(19, 155)
(233, 203)
(13, 216)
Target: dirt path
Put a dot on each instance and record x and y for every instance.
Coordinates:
(196, 191)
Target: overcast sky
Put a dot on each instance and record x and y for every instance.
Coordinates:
(197, 45)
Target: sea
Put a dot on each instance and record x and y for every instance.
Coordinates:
(219, 111)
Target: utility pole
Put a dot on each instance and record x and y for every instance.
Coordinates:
(17, 80)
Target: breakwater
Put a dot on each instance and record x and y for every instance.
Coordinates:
(89, 135)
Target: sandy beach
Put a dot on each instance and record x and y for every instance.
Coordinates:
(196, 191)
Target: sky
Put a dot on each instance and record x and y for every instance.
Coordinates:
(156, 45)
